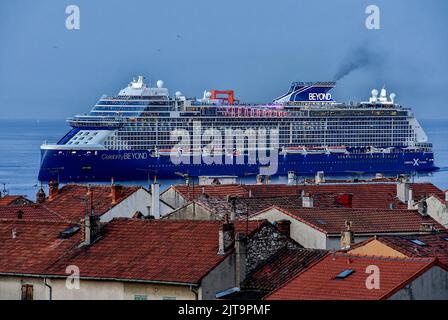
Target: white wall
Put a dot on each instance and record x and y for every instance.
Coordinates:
(438, 210)
(431, 285)
(171, 197)
(138, 201)
(302, 233)
(10, 289)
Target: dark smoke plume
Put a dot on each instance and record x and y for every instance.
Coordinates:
(360, 57)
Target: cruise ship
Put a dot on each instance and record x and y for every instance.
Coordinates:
(129, 136)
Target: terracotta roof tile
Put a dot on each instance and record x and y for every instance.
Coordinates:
(189, 192)
(318, 281)
(281, 267)
(11, 200)
(364, 195)
(29, 212)
(72, 200)
(370, 221)
(36, 245)
(434, 245)
(152, 250)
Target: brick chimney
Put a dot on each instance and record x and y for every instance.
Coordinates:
(40, 196)
(345, 200)
(226, 236)
(115, 192)
(240, 258)
(53, 189)
(233, 202)
(90, 229)
(347, 237)
(284, 226)
(307, 200)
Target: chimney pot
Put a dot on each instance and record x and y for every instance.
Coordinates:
(320, 177)
(155, 200)
(240, 258)
(284, 226)
(307, 200)
(291, 177)
(116, 193)
(403, 190)
(226, 236)
(347, 236)
(423, 208)
(53, 187)
(90, 229)
(40, 196)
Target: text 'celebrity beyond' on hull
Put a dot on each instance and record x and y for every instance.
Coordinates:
(136, 134)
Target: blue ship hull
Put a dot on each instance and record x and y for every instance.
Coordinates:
(102, 165)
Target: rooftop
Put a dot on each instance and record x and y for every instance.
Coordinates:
(428, 245)
(29, 212)
(73, 201)
(369, 221)
(364, 195)
(281, 267)
(320, 282)
(14, 200)
(151, 250)
(30, 246)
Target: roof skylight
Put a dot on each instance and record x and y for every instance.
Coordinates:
(418, 242)
(344, 274)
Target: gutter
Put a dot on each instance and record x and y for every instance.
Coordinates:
(101, 279)
(50, 288)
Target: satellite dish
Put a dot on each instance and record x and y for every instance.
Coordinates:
(178, 94)
(208, 94)
(392, 96)
(159, 84)
(374, 92)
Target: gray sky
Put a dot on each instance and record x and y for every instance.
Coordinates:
(254, 47)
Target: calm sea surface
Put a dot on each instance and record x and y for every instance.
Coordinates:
(20, 155)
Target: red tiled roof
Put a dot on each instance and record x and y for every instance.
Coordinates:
(152, 250)
(36, 245)
(12, 200)
(29, 212)
(364, 195)
(223, 190)
(318, 281)
(72, 200)
(435, 245)
(370, 221)
(281, 267)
